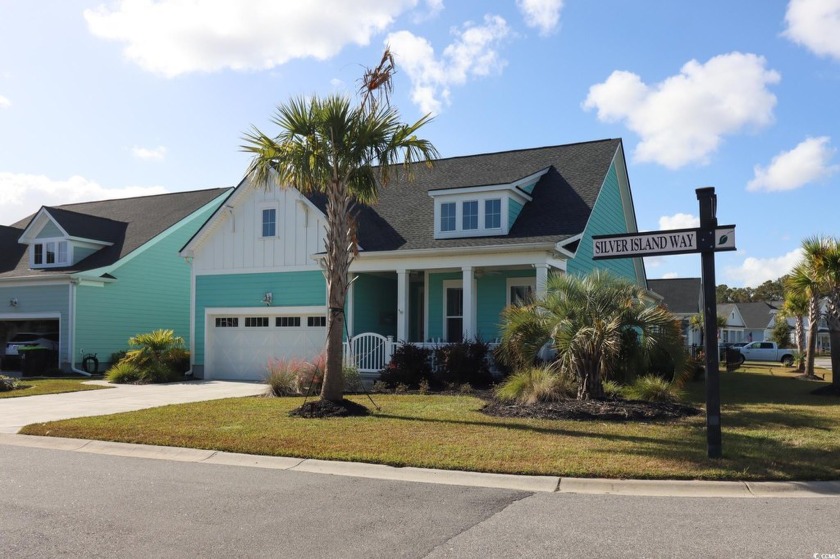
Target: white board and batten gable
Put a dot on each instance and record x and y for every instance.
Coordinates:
(259, 229)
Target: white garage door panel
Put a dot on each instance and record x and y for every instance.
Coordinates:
(242, 353)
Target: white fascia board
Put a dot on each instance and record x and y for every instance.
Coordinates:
(37, 222)
(431, 259)
(89, 243)
(220, 216)
(557, 263)
(561, 246)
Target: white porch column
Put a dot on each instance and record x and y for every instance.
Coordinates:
(349, 307)
(402, 305)
(469, 308)
(542, 279)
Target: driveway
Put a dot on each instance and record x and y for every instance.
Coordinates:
(17, 412)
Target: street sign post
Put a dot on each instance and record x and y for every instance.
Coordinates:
(706, 240)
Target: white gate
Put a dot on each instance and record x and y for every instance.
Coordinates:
(369, 352)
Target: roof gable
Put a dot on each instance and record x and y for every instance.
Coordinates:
(126, 224)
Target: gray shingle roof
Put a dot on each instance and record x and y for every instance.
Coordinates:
(680, 295)
(403, 216)
(756, 315)
(128, 223)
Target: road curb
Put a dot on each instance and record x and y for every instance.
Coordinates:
(531, 484)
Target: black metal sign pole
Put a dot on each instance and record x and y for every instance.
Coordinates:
(706, 243)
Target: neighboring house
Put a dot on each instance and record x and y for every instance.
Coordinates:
(100, 272)
(440, 256)
(683, 297)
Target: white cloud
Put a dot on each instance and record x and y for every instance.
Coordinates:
(683, 119)
(433, 8)
(542, 14)
(670, 275)
(815, 24)
(755, 271)
(4, 102)
(679, 221)
(808, 162)
(151, 154)
(654, 261)
(22, 195)
(173, 37)
(472, 54)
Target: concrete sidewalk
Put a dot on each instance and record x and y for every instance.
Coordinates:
(533, 484)
(17, 412)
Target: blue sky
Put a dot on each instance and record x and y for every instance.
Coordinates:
(112, 99)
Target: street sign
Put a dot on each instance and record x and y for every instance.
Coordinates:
(662, 243)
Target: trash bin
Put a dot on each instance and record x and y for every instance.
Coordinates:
(34, 361)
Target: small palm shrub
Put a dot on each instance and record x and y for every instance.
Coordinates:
(124, 372)
(158, 356)
(536, 384)
(651, 388)
(8, 384)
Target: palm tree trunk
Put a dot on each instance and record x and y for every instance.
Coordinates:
(338, 267)
(800, 342)
(813, 327)
(832, 316)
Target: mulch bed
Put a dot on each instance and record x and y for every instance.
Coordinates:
(324, 408)
(587, 410)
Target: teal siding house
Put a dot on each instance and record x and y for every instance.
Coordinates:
(439, 258)
(97, 273)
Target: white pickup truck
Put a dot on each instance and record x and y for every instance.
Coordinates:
(766, 351)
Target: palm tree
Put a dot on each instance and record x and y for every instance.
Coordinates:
(344, 152)
(809, 280)
(796, 306)
(697, 322)
(584, 319)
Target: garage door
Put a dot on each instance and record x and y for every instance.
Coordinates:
(240, 346)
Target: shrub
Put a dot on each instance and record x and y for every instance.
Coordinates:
(8, 383)
(159, 356)
(124, 372)
(118, 356)
(409, 365)
(423, 387)
(612, 389)
(282, 376)
(464, 362)
(536, 384)
(652, 388)
(352, 380)
(379, 386)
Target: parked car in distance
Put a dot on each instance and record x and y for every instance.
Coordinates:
(47, 340)
(766, 351)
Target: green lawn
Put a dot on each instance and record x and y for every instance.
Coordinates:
(772, 429)
(38, 386)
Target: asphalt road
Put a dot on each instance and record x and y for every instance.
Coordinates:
(65, 504)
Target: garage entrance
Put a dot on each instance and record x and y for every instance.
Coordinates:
(239, 346)
(13, 332)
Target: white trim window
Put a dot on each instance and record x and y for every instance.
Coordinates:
(493, 213)
(447, 216)
(453, 311)
(269, 222)
(520, 290)
(50, 253)
(469, 215)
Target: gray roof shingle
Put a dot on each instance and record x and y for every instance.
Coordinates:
(403, 216)
(680, 295)
(128, 223)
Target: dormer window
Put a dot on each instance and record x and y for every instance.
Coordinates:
(493, 213)
(470, 215)
(447, 216)
(50, 253)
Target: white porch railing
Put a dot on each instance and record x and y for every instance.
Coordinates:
(370, 353)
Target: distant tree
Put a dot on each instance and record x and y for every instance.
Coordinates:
(796, 307)
(697, 322)
(770, 290)
(807, 281)
(781, 332)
